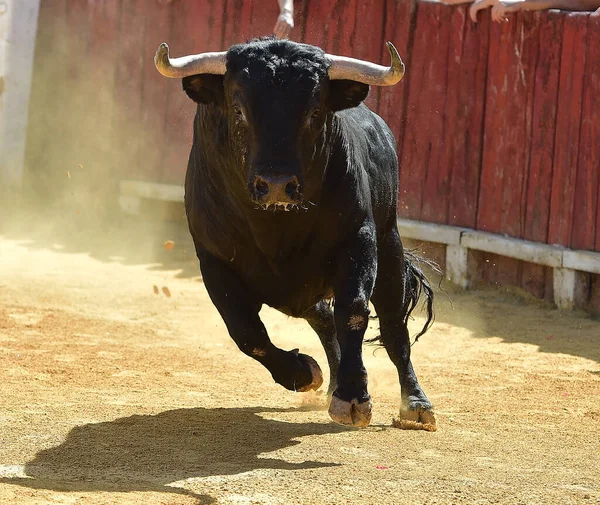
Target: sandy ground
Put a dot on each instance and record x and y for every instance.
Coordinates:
(112, 394)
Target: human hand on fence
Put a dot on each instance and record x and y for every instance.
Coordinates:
(480, 5)
(284, 25)
(502, 8)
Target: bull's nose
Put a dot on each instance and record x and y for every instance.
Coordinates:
(278, 189)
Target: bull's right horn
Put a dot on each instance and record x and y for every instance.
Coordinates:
(177, 68)
(366, 72)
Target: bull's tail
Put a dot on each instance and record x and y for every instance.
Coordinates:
(415, 285)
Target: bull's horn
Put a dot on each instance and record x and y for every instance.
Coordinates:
(204, 63)
(366, 72)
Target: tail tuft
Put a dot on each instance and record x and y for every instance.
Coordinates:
(416, 284)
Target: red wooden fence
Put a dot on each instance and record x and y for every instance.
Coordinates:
(498, 125)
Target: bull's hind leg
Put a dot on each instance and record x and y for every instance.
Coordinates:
(392, 303)
(239, 309)
(320, 318)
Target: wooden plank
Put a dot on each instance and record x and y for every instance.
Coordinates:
(564, 288)
(237, 21)
(155, 86)
(543, 127)
(457, 269)
(430, 232)
(322, 19)
(128, 87)
(97, 85)
(567, 128)
(300, 13)
(534, 279)
(399, 28)
(539, 183)
(584, 261)
(513, 51)
(364, 38)
(203, 20)
(513, 48)
(420, 186)
(587, 183)
(463, 141)
(523, 250)
(264, 16)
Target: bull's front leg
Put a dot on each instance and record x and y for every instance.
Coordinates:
(239, 309)
(353, 285)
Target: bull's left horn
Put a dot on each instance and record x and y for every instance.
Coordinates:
(366, 72)
(177, 68)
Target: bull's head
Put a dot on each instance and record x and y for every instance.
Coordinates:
(278, 98)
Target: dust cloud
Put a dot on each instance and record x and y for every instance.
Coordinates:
(89, 130)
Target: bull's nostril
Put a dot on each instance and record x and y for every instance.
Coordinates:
(262, 188)
(291, 187)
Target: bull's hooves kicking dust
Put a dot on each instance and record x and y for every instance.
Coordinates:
(357, 415)
(415, 420)
(313, 400)
(405, 424)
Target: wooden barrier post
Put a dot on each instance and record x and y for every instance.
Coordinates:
(18, 27)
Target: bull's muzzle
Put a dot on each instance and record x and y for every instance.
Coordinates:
(280, 190)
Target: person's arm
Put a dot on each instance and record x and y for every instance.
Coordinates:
(566, 5)
(504, 7)
(456, 2)
(285, 21)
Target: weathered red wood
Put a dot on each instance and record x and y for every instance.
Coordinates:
(422, 190)
(399, 19)
(587, 184)
(539, 183)
(464, 110)
(543, 128)
(362, 37)
(264, 16)
(128, 88)
(155, 90)
(186, 18)
(300, 13)
(96, 87)
(567, 128)
(505, 132)
(322, 18)
(237, 21)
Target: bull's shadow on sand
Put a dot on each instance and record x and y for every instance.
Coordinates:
(148, 452)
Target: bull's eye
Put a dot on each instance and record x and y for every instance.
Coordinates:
(315, 114)
(238, 112)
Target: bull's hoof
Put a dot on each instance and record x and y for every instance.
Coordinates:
(416, 415)
(351, 413)
(298, 372)
(315, 370)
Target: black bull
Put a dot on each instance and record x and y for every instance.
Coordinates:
(291, 196)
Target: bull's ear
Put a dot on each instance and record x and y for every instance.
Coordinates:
(204, 88)
(346, 94)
